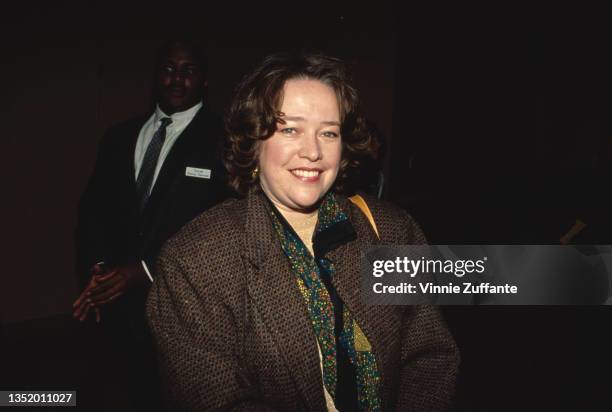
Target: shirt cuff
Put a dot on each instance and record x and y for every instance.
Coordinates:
(146, 269)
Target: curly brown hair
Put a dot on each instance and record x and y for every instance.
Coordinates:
(255, 112)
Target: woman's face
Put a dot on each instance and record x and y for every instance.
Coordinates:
(300, 161)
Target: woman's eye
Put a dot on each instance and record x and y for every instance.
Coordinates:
(330, 134)
(288, 130)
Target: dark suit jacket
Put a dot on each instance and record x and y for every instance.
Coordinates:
(111, 227)
(232, 329)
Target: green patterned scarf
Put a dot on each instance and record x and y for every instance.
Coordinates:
(321, 310)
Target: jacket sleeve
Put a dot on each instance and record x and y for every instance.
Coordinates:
(430, 360)
(195, 333)
(91, 235)
(429, 356)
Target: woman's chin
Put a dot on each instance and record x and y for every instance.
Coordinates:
(306, 203)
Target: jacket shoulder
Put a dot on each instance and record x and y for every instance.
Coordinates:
(124, 129)
(210, 237)
(395, 225)
(208, 125)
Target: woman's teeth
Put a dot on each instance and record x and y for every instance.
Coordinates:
(305, 173)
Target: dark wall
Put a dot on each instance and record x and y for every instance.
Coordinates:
(507, 117)
(506, 114)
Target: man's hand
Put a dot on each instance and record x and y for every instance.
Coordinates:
(115, 283)
(82, 306)
(104, 288)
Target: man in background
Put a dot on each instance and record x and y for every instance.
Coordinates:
(152, 175)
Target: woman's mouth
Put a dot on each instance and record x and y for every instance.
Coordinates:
(306, 175)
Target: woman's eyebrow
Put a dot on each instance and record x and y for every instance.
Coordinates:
(301, 119)
(331, 123)
(293, 118)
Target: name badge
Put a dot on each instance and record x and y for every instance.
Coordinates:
(196, 172)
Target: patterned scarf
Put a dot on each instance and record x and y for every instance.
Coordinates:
(321, 310)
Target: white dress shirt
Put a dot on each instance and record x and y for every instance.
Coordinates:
(180, 120)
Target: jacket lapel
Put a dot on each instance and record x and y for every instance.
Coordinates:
(276, 296)
(373, 320)
(128, 177)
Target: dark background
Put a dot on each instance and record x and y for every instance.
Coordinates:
(494, 128)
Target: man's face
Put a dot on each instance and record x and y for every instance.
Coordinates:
(180, 80)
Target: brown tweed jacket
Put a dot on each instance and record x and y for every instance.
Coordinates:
(233, 332)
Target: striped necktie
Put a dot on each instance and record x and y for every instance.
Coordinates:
(149, 163)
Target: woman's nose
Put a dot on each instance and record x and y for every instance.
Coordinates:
(310, 149)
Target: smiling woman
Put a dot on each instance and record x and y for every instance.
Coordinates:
(256, 305)
(299, 163)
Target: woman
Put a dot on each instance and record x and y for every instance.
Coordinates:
(257, 304)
